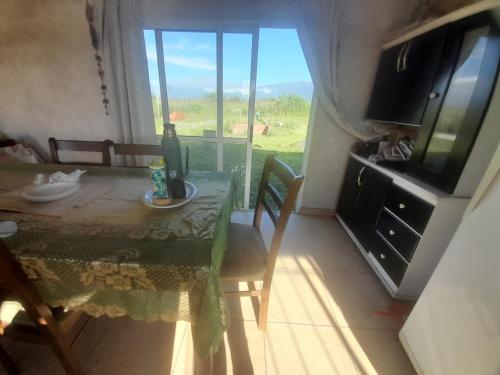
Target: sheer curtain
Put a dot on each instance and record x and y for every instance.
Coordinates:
(318, 26)
(125, 66)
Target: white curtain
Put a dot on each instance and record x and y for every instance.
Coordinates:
(319, 26)
(125, 67)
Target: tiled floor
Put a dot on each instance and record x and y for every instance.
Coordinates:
(328, 314)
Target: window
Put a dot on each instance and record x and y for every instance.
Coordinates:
(205, 82)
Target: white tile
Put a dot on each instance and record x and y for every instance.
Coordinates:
(240, 308)
(312, 243)
(242, 352)
(298, 297)
(305, 349)
(377, 352)
(357, 298)
(311, 253)
(183, 362)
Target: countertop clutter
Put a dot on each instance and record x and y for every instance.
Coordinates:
(404, 194)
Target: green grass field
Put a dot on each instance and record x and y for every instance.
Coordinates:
(287, 118)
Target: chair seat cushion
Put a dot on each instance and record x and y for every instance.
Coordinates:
(246, 254)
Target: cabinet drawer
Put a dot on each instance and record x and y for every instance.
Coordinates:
(393, 265)
(412, 210)
(397, 234)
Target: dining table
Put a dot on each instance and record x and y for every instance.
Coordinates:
(104, 252)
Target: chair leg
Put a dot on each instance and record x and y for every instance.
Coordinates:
(7, 363)
(264, 305)
(62, 348)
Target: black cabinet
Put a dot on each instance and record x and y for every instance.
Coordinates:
(465, 82)
(393, 265)
(399, 236)
(411, 210)
(443, 81)
(361, 199)
(387, 221)
(405, 78)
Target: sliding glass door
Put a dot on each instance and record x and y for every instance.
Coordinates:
(231, 118)
(204, 82)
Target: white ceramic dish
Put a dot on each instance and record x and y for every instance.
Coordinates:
(7, 228)
(190, 194)
(49, 192)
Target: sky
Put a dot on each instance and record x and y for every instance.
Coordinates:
(190, 60)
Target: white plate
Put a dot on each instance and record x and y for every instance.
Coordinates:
(49, 192)
(7, 228)
(190, 194)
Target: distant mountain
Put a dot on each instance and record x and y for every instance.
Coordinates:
(303, 89)
(187, 90)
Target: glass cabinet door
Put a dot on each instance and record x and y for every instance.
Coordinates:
(458, 100)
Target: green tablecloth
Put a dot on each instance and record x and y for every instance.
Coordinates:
(115, 256)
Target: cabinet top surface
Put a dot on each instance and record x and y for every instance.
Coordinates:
(411, 184)
(428, 25)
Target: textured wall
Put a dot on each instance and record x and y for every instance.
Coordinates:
(48, 78)
(49, 86)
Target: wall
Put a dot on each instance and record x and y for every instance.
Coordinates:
(48, 77)
(364, 23)
(328, 151)
(213, 13)
(455, 325)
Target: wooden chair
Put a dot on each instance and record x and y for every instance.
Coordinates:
(86, 146)
(247, 258)
(33, 320)
(133, 150)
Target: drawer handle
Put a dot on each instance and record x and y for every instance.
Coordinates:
(391, 232)
(382, 256)
(402, 206)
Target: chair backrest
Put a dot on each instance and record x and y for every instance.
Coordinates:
(129, 149)
(292, 183)
(56, 145)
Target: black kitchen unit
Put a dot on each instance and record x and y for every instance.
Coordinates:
(362, 197)
(385, 219)
(441, 81)
(451, 125)
(405, 78)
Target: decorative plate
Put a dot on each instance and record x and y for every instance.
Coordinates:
(190, 194)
